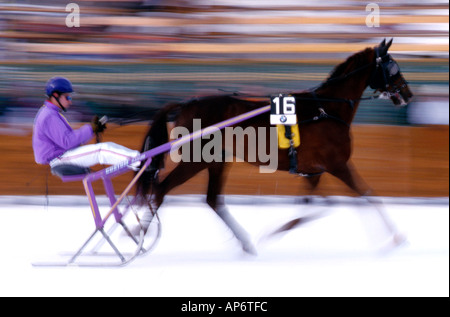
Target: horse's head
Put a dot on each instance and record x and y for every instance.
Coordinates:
(387, 77)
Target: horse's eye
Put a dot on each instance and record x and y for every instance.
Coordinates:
(393, 69)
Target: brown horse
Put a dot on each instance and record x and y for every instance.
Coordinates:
(324, 116)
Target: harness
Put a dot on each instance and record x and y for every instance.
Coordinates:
(292, 152)
(390, 72)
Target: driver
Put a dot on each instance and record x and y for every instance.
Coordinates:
(55, 142)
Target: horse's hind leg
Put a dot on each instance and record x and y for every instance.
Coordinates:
(312, 182)
(183, 172)
(179, 175)
(215, 186)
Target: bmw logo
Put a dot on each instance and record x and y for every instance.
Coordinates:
(283, 119)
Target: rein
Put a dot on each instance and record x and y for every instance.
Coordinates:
(312, 91)
(131, 118)
(322, 115)
(350, 102)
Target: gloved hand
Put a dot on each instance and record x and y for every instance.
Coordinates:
(97, 125)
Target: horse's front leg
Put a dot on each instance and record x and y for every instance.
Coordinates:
(350, 177)
(347, 173)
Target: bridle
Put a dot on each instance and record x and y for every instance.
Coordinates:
(390, 72)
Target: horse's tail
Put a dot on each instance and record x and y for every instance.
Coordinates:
(156, 136)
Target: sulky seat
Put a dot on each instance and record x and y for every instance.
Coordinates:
(69, 172)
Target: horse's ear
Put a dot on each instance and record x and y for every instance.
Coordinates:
(383, 48)
(389, 44)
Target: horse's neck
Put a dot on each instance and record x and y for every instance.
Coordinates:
(350, 89)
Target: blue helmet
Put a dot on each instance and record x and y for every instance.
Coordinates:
(58, 84)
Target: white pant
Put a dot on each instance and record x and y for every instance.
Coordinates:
(107, 153)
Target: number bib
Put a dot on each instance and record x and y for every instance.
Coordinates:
(282, 110)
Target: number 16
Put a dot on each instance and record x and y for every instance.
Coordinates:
(288, 105)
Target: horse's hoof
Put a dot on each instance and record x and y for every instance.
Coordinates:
(395, 241)
(399, 239)
(249, 248)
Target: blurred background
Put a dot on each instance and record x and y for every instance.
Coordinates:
(128, 58)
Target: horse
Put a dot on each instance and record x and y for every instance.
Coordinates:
(324, 116)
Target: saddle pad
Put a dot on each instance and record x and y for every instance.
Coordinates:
(283, 141)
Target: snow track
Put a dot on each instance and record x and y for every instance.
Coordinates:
(345, 251)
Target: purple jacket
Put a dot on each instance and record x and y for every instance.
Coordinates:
(52, 134)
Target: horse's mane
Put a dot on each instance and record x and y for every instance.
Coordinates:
(355, 61)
